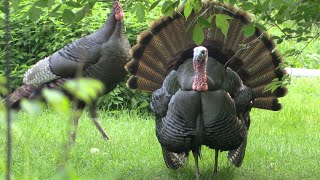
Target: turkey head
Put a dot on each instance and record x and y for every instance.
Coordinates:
(200, 58)
(119, 15)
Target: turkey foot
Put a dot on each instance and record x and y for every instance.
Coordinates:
(94, 117)
(196, 156)
(216, 161)
(75, 128)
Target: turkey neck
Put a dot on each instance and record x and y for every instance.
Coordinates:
(107, 29)
(118, 10)
(200, 76)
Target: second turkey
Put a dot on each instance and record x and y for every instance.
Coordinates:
(203, 94)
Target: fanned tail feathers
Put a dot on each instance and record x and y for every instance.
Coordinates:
(174, 160)
(167, 43)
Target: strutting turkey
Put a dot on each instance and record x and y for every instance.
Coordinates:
(101, 55)
(203, 95)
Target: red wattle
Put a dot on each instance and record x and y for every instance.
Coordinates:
(200, 80)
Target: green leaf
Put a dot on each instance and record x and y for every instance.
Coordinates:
(51, 3)
(205, 22)
(85, 89)
(187, 9)
(57, 100)
(34, 13)
(134, 103)
(232, 2)
(279, 41)
(140, 12)
(168, 8)
(222, 23)
(41, 3)
(153, 5)
(133, 10)
(3, 80)
(80, 15)
(143, 105)
(68, 16)
(15, 4)
(197, 5)
(249, 30)
(247, 6)
(31, 107)
(198, 35)
(53, 12)
(73, 4)
(261, 26)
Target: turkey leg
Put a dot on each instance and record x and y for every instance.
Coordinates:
(75, 123)
(216, 161)
(196, 156)
(78, 112)
(94, 117)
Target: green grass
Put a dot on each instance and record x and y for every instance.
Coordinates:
(281, 145)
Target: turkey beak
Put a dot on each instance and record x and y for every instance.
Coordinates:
(199, 57)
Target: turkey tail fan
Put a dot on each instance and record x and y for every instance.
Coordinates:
(167, 43)
(174, 160)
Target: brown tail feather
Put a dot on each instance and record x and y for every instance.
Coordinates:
(265, 78)
(167, 44)
(174, 160)
(146, 72)
(24, 91)
(270, 103)
(28, 91)
(141, 83)
(236, 156)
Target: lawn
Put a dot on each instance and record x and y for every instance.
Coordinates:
(281, 145)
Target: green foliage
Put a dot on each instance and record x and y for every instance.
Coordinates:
(197, 34)
(222, 23)
(57, 100)
(3, 83)
(3, 91)
(249, 30)
(35, 40)
(85, 89)
(296, 23)
(33, 107)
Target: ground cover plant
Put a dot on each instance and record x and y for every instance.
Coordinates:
(282, 145)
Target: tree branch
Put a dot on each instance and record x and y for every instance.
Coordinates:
(313, 38)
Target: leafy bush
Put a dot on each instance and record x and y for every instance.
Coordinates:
(34, 40)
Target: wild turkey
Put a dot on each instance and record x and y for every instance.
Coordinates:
(203, 95)
(100, 55)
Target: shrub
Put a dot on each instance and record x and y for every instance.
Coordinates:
(34, 40)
